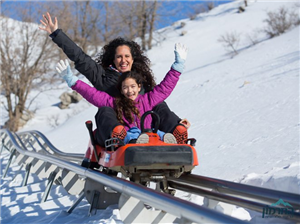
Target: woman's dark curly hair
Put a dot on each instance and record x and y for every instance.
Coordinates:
(124, 106)
(141, 63)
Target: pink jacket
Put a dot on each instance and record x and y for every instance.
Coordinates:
(146, 102)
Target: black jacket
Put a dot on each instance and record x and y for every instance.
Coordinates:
(102, 79)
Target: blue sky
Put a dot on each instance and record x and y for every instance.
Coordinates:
(170, 12)
(180, 9)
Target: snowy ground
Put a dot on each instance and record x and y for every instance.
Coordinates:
(244, 112)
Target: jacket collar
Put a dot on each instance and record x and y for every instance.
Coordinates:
(114, 69)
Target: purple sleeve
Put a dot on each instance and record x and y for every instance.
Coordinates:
(163, 89)
(92, 95)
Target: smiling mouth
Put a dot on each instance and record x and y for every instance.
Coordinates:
(131, 96)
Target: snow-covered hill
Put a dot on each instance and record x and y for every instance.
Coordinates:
(244, 110)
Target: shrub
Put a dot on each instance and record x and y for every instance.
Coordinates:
(230, 41)
(182, 24)
(210, 5)
(184, 32)
(253, 36)
(278, 22)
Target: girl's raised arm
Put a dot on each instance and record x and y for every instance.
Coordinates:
(166, 86)
(91, 94)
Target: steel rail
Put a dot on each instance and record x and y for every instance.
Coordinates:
(39, 137)
(175, 206)
(249, 192)
(235, 193)
(235, 198)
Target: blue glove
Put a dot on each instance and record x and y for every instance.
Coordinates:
(64, 70)
(132, 133)
(180, 57)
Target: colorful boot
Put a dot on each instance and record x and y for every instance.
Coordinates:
(180, 134)
(119, 132)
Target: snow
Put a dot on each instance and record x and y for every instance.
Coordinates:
(244, 112)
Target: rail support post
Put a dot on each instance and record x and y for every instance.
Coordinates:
(220, 206)
(93, 207)
(27, 168)
(49, 185)
(79, 199)
(2, 146)
(18, 172)
(9, 162)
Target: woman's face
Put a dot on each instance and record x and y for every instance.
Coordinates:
(123, 59)
(130, 88)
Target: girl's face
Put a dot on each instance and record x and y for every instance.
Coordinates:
(130, 88)
(123, 59)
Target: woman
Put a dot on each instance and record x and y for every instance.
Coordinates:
(117, 57)
(129, 104)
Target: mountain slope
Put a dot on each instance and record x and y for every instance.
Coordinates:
(243, 109)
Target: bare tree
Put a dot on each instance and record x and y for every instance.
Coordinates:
(278, 22)
(88, 23)
(146, 15)
(109, 27)
(26, 56)
(152, 20)
(230, 41)
(83, 30)
(127, 19)
(138, 20)
(143, 18)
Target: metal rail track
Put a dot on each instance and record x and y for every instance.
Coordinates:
(246, 196)
(32, 147)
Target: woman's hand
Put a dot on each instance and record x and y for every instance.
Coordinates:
(185, 122)
(49, 26)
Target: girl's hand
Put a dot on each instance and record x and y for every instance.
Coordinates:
(49, 26)
(180, 57)
(181, 50)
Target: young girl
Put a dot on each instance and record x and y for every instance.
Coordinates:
(129, 105)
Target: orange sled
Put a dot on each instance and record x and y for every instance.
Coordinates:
(142, 163)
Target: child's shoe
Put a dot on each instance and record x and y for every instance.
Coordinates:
(119, 132)
(142, 139)
(180, 134)
(169, 138)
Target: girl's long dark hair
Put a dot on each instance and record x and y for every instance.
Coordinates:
(124, 106)
(141, 63)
